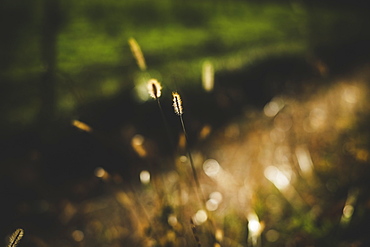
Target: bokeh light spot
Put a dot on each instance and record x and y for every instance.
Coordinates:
(272, 235)
(172, 220)
(348, 211)
(200, 217)
(273, 107)
(144, 177)
(254, 226)
(137, 140)
(211, 167)
(217, 196)
(100, 172)
(183, 158)
(211, 205)
(78, 235)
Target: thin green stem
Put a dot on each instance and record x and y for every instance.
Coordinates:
(195, 175)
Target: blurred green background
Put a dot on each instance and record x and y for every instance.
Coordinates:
(58, 55)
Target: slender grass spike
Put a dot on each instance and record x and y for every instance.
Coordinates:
(177, 103)
(15, 237)
(177, 106)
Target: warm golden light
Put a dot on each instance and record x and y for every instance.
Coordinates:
(254, 225)
(204, 133)
(348, 211)
(137, 53)
(172, 220)
(208, 76)
(144, 177)
(273, 107)
(278, 178)
(217, 196)
(137, 144)
(78, 235)
(304, 159)
(177, 103)
(154, 88)
(200, 217)
(101, 173)
(349, 208)
(211, 167)
(82, 126)
(16, 237)
(255, 228)
(350, 94)
(212, 205)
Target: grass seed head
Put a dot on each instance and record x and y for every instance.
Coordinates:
(154, 88)
(177, 103)
(15, 237)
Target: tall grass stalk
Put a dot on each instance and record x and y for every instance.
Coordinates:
(154, 89)
(177, 105)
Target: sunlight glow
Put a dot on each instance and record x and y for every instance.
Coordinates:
(219, 235)
(207, 76)
(154, 88)
(138, 140)
(349, 208)
(350, 94)
(217, 196)
(100, 172)
(172, 220)
(144, 177)
(278, 178)
(211, 167)
(273, 107)
(317, 118)
(137, 144)
(200, 217)
(78, 236)
(254, 227)
(183, 158)
(82, 126)
(184, 197)
(212, 205)
(304, 159)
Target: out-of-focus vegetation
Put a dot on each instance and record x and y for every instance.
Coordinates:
(85, 44)
(279, 142)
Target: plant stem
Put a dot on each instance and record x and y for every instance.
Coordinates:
(195, 175)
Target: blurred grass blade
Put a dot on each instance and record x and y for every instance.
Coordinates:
(137, 53)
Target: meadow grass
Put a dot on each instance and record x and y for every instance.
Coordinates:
(256, 180)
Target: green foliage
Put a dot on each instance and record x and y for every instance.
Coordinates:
(93, 57)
